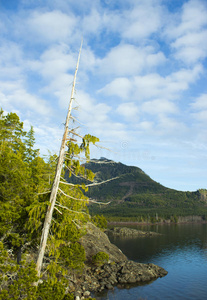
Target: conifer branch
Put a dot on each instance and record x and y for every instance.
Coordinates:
(78, 176)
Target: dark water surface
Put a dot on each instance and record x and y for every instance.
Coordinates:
(181, 250)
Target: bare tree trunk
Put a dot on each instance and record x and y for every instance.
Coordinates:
(54, 190)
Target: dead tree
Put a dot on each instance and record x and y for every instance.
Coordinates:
(55, 186)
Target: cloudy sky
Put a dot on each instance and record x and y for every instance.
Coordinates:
(141, 84)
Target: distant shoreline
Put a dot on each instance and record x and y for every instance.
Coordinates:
(157, 223)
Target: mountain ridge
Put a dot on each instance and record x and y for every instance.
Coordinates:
(132, 193)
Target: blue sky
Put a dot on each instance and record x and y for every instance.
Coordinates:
(141, 85)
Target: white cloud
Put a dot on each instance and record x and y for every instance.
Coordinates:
(199, 109)
(57, 60)
(48, 137)
(24, 100)
(90, 110)
(193, 17)
(169, 87)
(200, 103)
(159, 107)
(189, 33)
(92, 22)
(51, 26)
(127, 59)
(120, 87)
(201, 116)
(143, 20)
(129, 111)
(11, 60)
(168, 126)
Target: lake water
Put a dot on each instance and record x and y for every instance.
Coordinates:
(181, 250)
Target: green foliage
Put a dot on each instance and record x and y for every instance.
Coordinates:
(73, 255)
(99, 221)
(16, 282)
(25, 184)
(100, 258)
(56, 291)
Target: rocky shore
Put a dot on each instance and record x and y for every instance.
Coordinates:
(121, 274)
(130, 232)
(118, 271)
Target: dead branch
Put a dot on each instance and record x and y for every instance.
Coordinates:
(101, 182)
(76, 120)
(44, 193)
(67, 183)
(73, 132)
(85, 200)
(65, 207)
(58, 210)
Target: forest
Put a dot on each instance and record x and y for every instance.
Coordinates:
(25, 185)
(134, 196)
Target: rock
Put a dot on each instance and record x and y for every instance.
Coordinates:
(119, 271)
(86, 294)
(130, 232)
(96, 240)
(119, 274)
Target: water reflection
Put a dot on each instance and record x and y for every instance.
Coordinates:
(181, 250)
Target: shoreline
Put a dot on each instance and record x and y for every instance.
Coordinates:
(156, 223)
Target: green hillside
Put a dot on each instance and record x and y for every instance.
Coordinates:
(135, 195)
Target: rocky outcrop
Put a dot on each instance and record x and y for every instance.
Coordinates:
(119, 271)
(97, 241)
(122, 274)
(130, 232)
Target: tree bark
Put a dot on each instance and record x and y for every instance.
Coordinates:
(54, 190)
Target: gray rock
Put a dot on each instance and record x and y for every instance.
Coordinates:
(96, 240)
(119, 271)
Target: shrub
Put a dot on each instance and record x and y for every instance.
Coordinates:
(73, 255)
(100, 258)
(100, 221)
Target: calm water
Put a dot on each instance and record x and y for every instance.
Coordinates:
(181, 250)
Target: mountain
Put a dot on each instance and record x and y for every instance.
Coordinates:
(132, 193)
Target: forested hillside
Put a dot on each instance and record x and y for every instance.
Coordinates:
(133, 194)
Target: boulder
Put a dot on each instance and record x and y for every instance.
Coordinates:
(97, 241)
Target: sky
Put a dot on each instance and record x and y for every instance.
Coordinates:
(141, 83)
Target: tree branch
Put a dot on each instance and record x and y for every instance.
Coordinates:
(58, 209)
(44, 193)
(65, 207)
(85, 200)
(101, 182)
